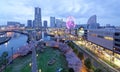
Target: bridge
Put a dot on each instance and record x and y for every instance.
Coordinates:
(63, 36)
(16, 31)
(67, 38)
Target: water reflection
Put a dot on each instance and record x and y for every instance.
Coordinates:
(16, 42)
(6, 44)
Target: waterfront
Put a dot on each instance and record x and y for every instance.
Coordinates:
(16, 42)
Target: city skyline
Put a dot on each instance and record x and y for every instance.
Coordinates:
(107, 11)
(59, 36)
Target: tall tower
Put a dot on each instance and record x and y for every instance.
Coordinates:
(45, 24)
(37, 18)
(52, 22)
(29, 24)
(92, 22)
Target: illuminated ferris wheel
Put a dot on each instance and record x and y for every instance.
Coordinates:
(70, 22)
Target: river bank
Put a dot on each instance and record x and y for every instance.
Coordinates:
(4, 40)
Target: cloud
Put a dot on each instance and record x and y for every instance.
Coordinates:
(22, 10)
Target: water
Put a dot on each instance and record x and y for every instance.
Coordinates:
(45, 37)
(16, 42)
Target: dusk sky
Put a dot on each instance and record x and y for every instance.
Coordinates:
(107, 11)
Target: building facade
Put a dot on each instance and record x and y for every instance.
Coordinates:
(101, 37)
(52, 22)
(105, 43)
(29, 24)
(13, 24)
(107, 38)
(59, 23)
(45, 24)
(117, 41)
(92, 22)
(37, 18)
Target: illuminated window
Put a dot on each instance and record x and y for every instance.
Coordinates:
(108, 38)
(94, 35)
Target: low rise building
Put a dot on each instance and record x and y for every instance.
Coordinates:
(106, 43)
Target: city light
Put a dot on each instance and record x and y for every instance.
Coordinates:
(30, 64)
(72, 29)
(37, 55)
(108, 38)
(70, 22)
(39, 70)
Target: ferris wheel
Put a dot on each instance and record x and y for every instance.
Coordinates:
(70, 22)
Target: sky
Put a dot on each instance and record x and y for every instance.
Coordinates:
(107, 11)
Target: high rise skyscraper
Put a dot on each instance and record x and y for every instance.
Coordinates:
(92, 22)
(29, 23)
(59, 23)
(52, 22)
(45, 23)
(37, 21)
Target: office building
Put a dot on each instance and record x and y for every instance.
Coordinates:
(102, 37)
(81, 25)
(14, 24)
(117, 41)
(52, 22)
(37, 21)
(106, 42)
(92, 22)
(59, 23)
(63, 24)
(29, 24)
(45, 24)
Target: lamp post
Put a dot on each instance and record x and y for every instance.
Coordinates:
(12, 53)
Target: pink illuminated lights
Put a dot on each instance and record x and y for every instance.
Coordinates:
(70, 22)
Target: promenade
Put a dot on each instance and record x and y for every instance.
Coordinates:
(106, 66)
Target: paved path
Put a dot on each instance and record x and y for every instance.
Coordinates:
(34, 63)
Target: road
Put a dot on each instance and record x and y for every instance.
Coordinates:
(108, 67)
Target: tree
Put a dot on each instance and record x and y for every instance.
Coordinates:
(81, 55)
(4, 57)
(98, 70)
(71, 45)
(4, 61)
(88, 63)
(5, 54)
(76, 51)
(71, 70)
(1, 61)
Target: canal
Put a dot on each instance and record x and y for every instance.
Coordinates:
(16, 42)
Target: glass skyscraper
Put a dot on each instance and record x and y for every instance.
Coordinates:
(52, 22)
(37, 21)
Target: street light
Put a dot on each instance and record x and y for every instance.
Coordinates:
(30, 64)
(39, 70)
(12, 53)
(37, 55)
